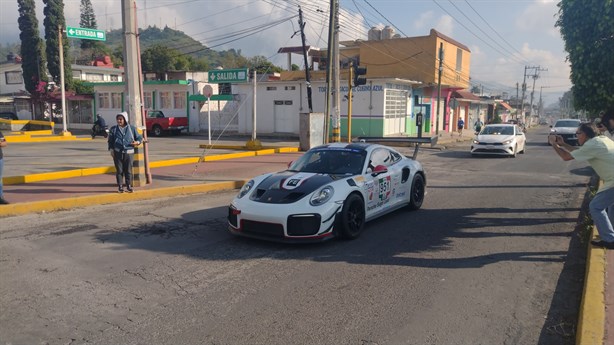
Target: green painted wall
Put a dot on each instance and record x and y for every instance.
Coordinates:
(363, 127)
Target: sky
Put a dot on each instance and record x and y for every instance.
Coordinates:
(504, 36)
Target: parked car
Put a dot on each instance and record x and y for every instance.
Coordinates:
(499, 139)
(330, 191)
(567, 129)
(157, 123)
(8, 115)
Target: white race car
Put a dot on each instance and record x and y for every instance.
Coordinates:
(330, 191)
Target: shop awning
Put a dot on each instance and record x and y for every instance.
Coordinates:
(203, 98)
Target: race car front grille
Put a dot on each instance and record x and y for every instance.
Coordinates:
(262, 229)
(304, 224)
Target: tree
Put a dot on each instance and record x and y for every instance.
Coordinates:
(54, 20)
(475, 89)
(82, 89)
(262, 65)
(88, 20)
(158, 59)
(33, 59)
(587, 28)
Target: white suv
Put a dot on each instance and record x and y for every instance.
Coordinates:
(567, 129)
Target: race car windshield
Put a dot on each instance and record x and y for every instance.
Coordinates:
(338, 162)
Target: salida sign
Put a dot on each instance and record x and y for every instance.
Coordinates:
(228, 76)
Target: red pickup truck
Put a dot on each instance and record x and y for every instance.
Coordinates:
(157, 123)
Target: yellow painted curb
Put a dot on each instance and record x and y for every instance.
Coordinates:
(56, 175)
(29, 139)
(287, 149)
(265, 152)
(229, 156)
(591, 319)
(172, 162)
(113, 198)
(237, 147)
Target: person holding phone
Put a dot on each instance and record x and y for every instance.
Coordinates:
(598, 151)
(2, 144)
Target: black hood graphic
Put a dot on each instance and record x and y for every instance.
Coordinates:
(286, 187)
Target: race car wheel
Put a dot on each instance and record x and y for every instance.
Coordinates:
(352, 217)
(418, 189)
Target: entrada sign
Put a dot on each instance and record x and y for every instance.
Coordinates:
(85, 34)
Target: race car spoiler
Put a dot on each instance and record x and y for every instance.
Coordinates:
(409, 140)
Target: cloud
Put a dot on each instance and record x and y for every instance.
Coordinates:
(424, 20)
(445, 25)
(538, 17)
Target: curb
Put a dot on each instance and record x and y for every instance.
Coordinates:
(114, 198)
(591, 318)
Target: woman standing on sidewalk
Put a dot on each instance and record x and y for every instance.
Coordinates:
(123, 138)
(2, 144)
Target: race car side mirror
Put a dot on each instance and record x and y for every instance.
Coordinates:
(380, 169)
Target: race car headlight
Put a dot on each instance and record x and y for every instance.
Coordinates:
(322, 196)
(507, 142)
(476, 142)
(245, 189)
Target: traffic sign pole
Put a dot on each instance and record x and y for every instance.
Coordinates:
(62, 84)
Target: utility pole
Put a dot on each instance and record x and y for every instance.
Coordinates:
(329, 69)
(350, 78)
(516, 101)
(439, 87)
(535, 76)
(307, 77)
(133, 88)
(524, 89)
(539, 107)
(336, 101)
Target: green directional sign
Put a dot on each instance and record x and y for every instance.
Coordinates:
(239, 75)
(85, 34)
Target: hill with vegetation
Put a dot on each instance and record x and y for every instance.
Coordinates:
(173, 39)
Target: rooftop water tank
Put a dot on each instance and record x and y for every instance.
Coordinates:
(387, 33)
(375, 34)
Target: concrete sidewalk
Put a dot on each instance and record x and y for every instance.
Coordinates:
(45, 187)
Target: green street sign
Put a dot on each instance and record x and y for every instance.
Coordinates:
(228, 76)
(85, 34)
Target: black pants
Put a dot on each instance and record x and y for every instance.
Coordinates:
(123, 167)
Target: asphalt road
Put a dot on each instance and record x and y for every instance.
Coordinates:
(491, 258)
